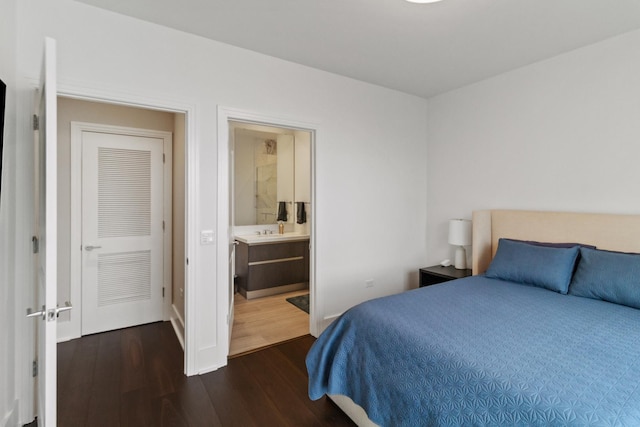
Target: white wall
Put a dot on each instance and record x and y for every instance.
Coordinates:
(17, 341)
(9, 345)
(369, 154)
(562, 134)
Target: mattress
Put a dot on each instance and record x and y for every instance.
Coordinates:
(479, 351)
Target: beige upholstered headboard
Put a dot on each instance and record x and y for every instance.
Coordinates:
(605, 231)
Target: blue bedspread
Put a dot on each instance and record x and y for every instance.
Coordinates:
(480, 351)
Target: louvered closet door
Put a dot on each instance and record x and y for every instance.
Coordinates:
(122, 200)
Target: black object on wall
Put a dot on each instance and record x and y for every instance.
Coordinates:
(3, 93)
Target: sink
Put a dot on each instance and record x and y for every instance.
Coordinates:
(269, 238)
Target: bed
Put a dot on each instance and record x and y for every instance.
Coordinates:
(540, 335)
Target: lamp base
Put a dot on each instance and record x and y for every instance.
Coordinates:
(461, 258)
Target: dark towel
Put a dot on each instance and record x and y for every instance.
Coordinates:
(302, 215)
(282, 211)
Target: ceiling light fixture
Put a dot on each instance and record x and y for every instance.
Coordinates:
(423, 1)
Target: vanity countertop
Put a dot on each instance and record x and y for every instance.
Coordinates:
(255, 239)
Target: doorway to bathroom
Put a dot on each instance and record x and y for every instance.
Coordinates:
(270, 218)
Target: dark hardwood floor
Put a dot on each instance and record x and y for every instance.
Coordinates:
(133, 377)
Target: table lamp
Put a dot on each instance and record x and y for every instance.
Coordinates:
(460, 236)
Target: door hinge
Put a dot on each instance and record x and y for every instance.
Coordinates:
(163, 292)
(36, 122)
(162, 225)
(164, 160)
(34, 368)
(187, 261)
(36, 245)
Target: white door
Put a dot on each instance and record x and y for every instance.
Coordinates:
(122, 231)
(45, 238)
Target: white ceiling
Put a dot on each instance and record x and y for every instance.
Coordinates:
(422, 49)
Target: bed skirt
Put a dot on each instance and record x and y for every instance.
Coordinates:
(353, 410)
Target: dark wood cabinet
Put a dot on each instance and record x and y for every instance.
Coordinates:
(438, 274)
(271, 268)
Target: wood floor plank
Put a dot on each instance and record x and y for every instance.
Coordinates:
(262, 322)
(289, 404)
(134, 377)
(296, 351)
(104, 402)
(166, 412)
(135, 409)
(134, 374)
(156, 362)
(65, 352)
(227, 398)
(194, 404)
(325, 411)
(171, 348)
(77, 382)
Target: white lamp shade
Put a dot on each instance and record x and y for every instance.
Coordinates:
(460, 232)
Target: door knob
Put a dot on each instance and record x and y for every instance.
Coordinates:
(90, 248)
(67, 307)
(52, 314)
(42, 312)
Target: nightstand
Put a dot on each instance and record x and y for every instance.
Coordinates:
(438, 274)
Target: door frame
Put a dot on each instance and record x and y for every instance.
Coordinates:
(226, 114)
(192, 187)
(73, 328)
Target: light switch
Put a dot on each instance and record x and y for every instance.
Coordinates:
(207, 237)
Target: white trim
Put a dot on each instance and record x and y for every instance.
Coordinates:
(167, 281)
(73, 328)
(191, 250)
(211, 368)
(316, 301)
(225, 114)
(178, 324)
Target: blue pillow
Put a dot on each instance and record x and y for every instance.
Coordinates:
(608, 276)
(545, 267)
(553, 245)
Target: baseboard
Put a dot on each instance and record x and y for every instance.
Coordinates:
(178, 325)
(276, 290)
(327, 320)
(211, 369)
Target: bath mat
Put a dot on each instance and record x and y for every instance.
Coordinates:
(301, 301)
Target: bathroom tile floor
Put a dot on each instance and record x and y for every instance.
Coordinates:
(262, 322)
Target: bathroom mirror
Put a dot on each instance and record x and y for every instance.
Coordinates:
(263, 173)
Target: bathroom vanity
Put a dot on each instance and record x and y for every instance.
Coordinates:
(272, 264)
